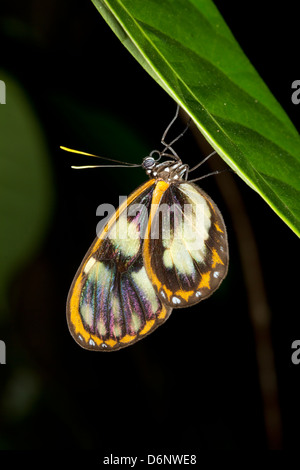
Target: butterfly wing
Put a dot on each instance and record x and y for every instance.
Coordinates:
(112, 303)
(185, 249)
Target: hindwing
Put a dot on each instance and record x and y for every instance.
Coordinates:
(185, 249)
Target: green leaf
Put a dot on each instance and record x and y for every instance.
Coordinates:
(25, 183)
(188, 49)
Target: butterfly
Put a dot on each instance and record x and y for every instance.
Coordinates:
(164, 248)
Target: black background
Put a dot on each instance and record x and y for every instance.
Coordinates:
(194, 384)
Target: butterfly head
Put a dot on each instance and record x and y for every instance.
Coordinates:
(170, 171)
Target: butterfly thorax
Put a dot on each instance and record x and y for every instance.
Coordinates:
(170, 170)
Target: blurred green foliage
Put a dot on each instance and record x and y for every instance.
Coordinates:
(26, 191)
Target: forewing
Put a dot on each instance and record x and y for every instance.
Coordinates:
(112, 303)
(186, 251)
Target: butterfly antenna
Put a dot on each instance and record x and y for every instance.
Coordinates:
(122, 164)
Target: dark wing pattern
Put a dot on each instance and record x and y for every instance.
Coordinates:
(112, 303)
(185, 249)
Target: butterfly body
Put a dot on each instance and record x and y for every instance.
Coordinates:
(164, 248)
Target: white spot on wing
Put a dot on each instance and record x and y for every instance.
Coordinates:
(91, 342)
(191, 230)
(177, 253)
(142, 281)
(175, 300)
(101, 327)
(87, 313)
(167, 259)
(201, 209)
(216, 274)
(89, 264)
(125, 237)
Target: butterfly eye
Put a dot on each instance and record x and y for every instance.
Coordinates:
(148, 163)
